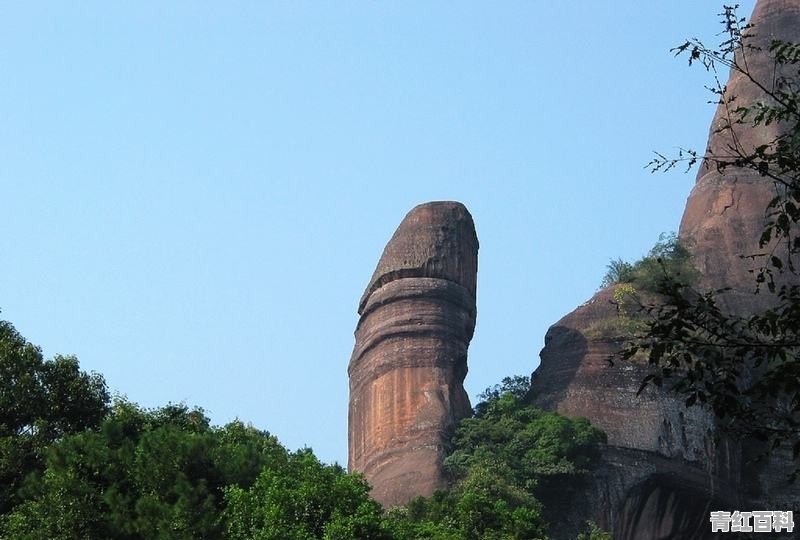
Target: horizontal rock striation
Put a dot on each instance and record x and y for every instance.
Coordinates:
(417, 317)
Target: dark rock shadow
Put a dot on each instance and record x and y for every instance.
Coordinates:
(564, 350)
(666, 507)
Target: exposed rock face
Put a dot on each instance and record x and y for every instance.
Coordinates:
(662, 459)
(575, 379)
(410, 357)
(665, 465)
(725, 215)
(725, 212)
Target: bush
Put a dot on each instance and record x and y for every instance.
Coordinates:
(616, 327)
(669, 258)
(499, 460)
(522, 442)
(593, 532)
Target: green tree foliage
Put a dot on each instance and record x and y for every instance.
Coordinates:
(617, 271)
(303, 499)
(73, 467)
(142, 474)
(668, 259)
(593, 532)
(484, 504)
(76, 468)
(532, 444)
(746, 368)
(515, 385)
(500, 457)
(40, 402)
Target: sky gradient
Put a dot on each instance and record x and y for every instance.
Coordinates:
(195, 194)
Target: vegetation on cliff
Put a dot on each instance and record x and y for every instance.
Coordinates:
(534, 445)
(500, 460)
(669, 258)
(744, 365)
(636, 284)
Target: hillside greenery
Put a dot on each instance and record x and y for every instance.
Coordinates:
(76, 464)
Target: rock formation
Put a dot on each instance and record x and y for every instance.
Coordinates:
(417, 317)
(725, 215)
(725, 212)
(666, 466)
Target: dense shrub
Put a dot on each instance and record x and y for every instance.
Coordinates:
(669, 258)
(499, 459)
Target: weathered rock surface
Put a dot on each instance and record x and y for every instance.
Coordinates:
(725, 215)
(410, 357)
(725, 212)
(575, 379)
(661, 460)
(665, 465)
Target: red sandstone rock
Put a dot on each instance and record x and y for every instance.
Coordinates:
(658, 450)
(410, 358)
(725, 212)
(725, 215)
(665, 465)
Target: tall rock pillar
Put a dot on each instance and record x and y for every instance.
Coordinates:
(410, 356)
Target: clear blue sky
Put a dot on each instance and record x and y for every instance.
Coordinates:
(195, 194)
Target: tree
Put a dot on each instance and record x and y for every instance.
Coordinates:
(499, 460)
(142, 474)
(745, 367)
(303, 499)
(532, 444)
(668, 257)
(594, 532)
(40, 403)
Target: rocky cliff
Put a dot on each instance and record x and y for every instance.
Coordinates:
(417, 317)
(725, 212)
(665, 465)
